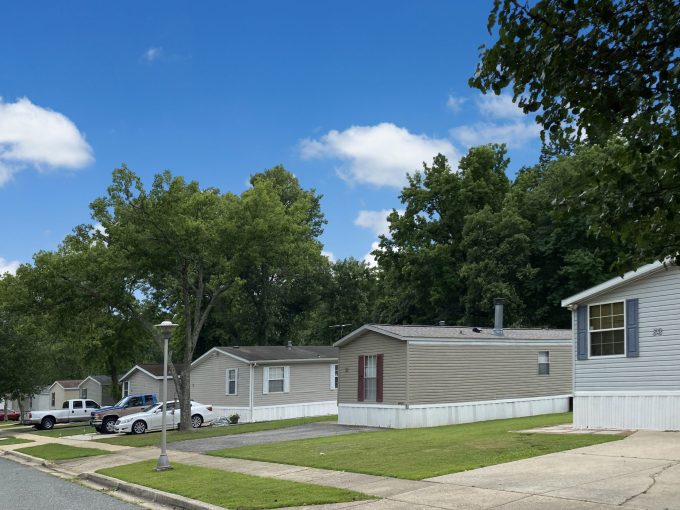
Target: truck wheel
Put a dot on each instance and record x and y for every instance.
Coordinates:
(47, 423)
(138, 427)
(98, 429)
(196, 421)
(107, 425)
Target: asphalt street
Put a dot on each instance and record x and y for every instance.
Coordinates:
(26, 488)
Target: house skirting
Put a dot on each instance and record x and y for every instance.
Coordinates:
(281, 412)
(433, 415)
(627, 410)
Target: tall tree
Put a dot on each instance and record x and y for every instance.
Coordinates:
(605, 73)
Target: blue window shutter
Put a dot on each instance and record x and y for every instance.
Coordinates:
(632, 329)
(582, 332)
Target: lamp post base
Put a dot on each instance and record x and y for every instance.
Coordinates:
(163, 463)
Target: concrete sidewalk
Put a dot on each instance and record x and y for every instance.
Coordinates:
(639, 472)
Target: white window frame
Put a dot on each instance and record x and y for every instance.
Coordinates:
(228, 380)
(625, 333)
(53, 399)
(372, 398)
(83, 393)
(265, 380)
(126, 388)
(334, 376)
(543, 363)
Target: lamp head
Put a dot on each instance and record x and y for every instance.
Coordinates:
(166, 328)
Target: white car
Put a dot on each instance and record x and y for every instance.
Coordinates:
(151, 419)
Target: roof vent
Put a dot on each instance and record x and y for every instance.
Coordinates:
(236, 346)
(498, 316)
(290, 345)
(441, 323)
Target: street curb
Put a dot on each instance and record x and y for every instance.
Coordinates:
(31, 459)
(148, 494)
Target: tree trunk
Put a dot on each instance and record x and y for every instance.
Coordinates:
(5, 416)
(185, 395)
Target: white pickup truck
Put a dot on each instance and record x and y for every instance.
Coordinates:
(72, 411)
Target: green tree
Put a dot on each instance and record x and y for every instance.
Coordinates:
(604, 73)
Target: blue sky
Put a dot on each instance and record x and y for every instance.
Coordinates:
(347, 95)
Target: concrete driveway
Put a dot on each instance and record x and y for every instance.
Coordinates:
(307, 431)
(639, 472)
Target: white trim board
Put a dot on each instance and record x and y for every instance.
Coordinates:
(493, 342)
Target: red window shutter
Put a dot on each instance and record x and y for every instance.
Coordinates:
(360, 385)
(379, 378)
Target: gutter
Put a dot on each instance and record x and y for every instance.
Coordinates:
(251, 394)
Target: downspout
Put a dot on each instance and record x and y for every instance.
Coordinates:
(251, 395)
(408, 371)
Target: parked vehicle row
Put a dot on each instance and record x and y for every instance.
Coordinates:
(152, 418)
(104, 419)
(74, 410)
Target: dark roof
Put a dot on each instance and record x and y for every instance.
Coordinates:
(157, 368)
(70, 383)
(282, 353)
(102, 379)
(459, 333)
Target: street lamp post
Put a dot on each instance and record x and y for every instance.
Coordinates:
(166, 328)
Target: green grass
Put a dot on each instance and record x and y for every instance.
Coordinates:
(230, 490)
(202, 433)
(4, 441)
(422, 453)
(64, 431)
(55, 451)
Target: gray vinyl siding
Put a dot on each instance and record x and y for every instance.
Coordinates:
(657, 366)
(142, 383)
(94, 391)
(309, 382)
(209, 381)
(394, 367)
(449, 373)
(61, 395)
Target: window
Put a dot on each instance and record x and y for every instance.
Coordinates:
(126, 388)
(334, 376)
(543, 362)
(91, 404)
(607, 331)
(370, 377)
(83, 393)
(77, 404)
(53, 400)
(135, 402)
(232, 379)
(64, 405)
(276, 379)
(149, 400)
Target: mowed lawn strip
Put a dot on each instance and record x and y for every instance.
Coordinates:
(55, 451)
(203, 432)
(228, 489)
(13, 440)
(422, 453)
(64, 431)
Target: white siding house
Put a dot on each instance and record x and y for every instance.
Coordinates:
(626, 335)
(262, 383)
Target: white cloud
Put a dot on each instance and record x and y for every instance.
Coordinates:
(515, 135)
(152, 54)
(499, 106)
(376, 222)
(34, 136)
(454, 103)
(8, 266)
(329, 255)
(379, 155)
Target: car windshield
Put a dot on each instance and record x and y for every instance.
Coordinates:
(120, 403)
(149, 408)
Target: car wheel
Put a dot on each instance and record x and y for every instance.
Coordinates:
(98, 429)
(107, 426)
(47, 423)
(196, 421)
(138, 427)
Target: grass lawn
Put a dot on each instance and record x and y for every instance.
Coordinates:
(230, 490)
(421, 453)
(174, 435)
(61, 452)
(64, 431)
(4, 441)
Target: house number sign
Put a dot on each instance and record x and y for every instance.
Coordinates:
(657, 332)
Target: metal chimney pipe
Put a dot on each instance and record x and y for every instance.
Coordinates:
(290, 345)
(498, 317)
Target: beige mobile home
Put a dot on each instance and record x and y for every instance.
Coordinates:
(423, 376)
(97, 388)
(63, 390)
(147, 378)
(261, 383)
(627, 340)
